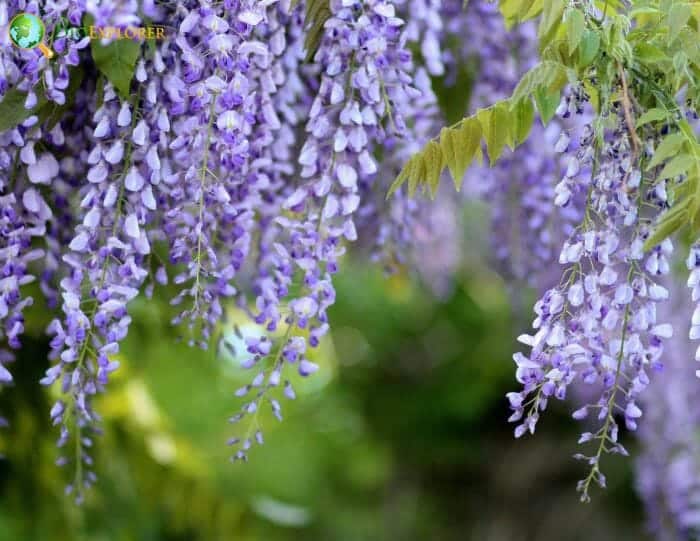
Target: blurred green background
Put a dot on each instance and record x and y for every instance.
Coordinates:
(401, 436)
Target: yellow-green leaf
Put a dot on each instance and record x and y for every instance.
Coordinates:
(643, 10)
(547, 74)
(670, 222)
(417, 174)
(547, 103)
(575, 26)
(447, 143)
(649, 54)
(524, 117)
(588, 48)
(468, 147)
(669, 146)
(552, 14)
(677, 166)
(494, 125)
(652, 115)
(433, 166)
(678, 16)
(517, 11)
(406, 172)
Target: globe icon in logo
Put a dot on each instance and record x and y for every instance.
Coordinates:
(27, 31)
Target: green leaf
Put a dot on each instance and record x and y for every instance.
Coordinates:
(458, 148)
(677, 166)
(552, 14)
(517, 11)
(547, 103)
(434, 164)
(524, 117)
(117, 62)
(547, 74)
(417, 174)
(643, 10)
(449, 151)
(468, 141)
(405, 173)
(575, 27)
(670, 222)
(317, 13)
(494, 123)
(652, 115)
(12, 111)
(588, 48)
(649, 54)
(678, 16)
(669, 146)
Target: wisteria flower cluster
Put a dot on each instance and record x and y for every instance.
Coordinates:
(238, 158)
(585, 208)
(668, 465)
(245, 152)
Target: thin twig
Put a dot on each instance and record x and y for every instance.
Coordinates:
(629, 117)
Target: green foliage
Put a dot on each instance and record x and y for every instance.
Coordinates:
(575, 27)
(678, 155)
(506, 123)
(116, 61)
(13, 113)
(550, 21)
(518, 11)
(317, 13)
(651, 45)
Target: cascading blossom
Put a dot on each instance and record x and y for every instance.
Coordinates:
(668, 464)
(361, 99)
(253, 147)
(599, 325)
(693, 264)
(203, 158)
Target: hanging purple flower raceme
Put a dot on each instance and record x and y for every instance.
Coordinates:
(220, 88)
(21, 220)
(392, 225)
(599, 325)
(693, 264)
(364, 82)
(276, 149)
(668, 463)
(106, 262)
(122, 199)
(41, 82)
(24, 214)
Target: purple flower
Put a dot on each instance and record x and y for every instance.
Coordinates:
(599, 326)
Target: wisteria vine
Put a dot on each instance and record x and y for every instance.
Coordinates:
(239, 156)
